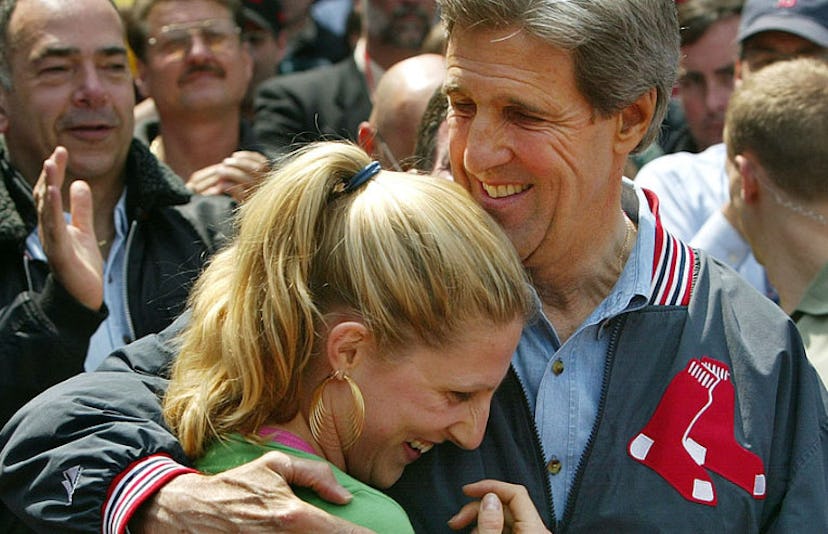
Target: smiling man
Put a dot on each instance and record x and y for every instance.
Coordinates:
(637, 402)
(193, 65)
(117, 265)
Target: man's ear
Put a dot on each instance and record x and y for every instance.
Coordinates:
(365, 138)
(634, 121)
(738, 71)
(141, 74)
(347, 345)
(748, 168)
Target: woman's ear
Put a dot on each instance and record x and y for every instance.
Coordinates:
(634, 121)
(348, 345)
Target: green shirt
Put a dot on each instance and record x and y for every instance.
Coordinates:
(811, 317)
(369, 508)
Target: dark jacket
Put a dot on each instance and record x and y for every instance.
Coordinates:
(323, 103)
(780, 416)
(314, 47)
(44, 332)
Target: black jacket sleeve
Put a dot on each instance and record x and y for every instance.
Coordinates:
(61, 452)
(44, 338)
(320, 104)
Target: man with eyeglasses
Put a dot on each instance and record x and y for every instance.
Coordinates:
(193, 65)
(99, 243)
(693, 188)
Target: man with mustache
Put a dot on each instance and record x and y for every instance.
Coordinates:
(192, 63)
(330, 102)
(99, 243)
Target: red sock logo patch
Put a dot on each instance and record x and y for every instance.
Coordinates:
(692, 430)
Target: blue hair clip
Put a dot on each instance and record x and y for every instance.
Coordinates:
(367, 172)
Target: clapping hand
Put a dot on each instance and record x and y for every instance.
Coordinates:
(71, 248)
(237, 176)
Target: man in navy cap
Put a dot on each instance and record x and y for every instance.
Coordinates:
(772, 30)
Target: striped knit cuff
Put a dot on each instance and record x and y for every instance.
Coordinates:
(135, 485)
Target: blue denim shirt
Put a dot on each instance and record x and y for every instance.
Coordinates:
(565, 405)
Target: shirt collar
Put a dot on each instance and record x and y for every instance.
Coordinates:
(815, 300)
(35, 248)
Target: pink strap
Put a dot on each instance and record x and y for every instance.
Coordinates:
(286, 438)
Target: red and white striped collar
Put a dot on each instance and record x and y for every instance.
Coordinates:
(674, 264)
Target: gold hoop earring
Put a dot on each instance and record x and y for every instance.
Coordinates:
(321, 418)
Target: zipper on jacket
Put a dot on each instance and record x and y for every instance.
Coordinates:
(538, 448)
(27, 270)
(125, 278)
(618, 323)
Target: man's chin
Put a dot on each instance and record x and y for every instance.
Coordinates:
(91, 165)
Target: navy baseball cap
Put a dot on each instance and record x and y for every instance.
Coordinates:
(804, 18)
(264, 14)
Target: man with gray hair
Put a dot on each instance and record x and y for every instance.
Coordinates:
(652, 390)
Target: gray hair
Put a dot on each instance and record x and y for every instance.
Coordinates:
(621, 48)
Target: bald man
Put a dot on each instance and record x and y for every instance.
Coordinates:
(403, 92)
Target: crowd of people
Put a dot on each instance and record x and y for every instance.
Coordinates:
(414, 265)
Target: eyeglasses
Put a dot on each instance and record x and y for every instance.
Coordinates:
(175, 40)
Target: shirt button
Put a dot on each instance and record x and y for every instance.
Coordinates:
(554, 466)
(558, 367)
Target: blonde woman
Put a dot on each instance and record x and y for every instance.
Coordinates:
(360, 316)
